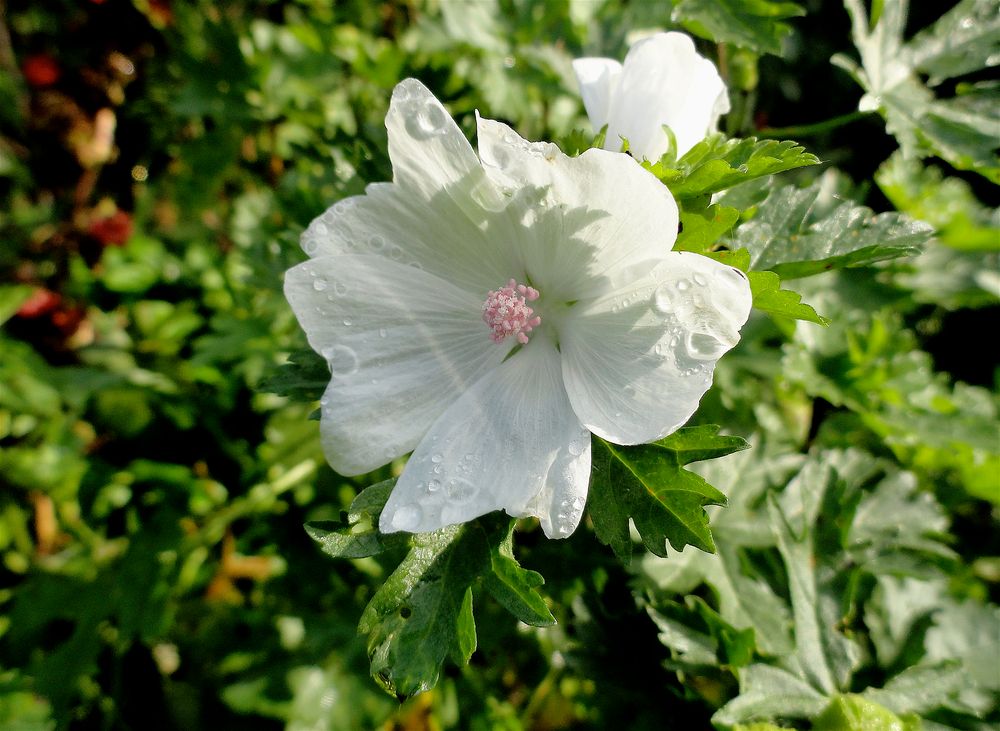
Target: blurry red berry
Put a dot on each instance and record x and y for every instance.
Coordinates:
(40, 70)
(113, 230)
(41, 302)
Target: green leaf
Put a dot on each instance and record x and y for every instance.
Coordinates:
(769, 297)
(648, 483)
(960, 129)
(717, 163)
(358, 536)
(423, 612)
(12, 296)
(946, 203)
(702, 228)
(754, 24)
(795, 235)
(514, 587)
(854, 713)
(303, 378)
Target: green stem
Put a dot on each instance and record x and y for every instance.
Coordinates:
(806, 130)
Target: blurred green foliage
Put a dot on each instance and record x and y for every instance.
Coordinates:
(157, 462)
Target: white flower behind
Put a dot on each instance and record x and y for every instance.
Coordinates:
(664, 81)
(494, 384)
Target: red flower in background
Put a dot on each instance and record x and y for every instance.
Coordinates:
(41, 70)
(113, 230)
(41, 302)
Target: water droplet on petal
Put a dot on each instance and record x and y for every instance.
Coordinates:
(382, 332)
(699, 280)
(436, 458)
(407, 517)
(319, 284)
(377, 242)
(579, 445)
(433, 485)
(703, 346)
(427, 121)
(342, 360)
(683, 284)
(340, 289)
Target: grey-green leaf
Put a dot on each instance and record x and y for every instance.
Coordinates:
(795, 234)
(755, 24)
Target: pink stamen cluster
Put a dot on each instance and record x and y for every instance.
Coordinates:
(507, 313)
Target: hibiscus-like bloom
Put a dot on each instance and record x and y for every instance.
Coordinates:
(489, 312)
(664, 81)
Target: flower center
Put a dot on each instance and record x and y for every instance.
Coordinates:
(506, 312)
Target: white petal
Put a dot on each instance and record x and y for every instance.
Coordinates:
(509, 435)
(429, 153)
(402, 345)
(582, 223)
(664, 81)
(637, 364)
(597, 78)
(447, 236)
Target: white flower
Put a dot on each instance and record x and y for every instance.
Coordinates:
(664, 81)
(408, 291)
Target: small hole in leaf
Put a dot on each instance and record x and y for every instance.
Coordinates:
(405, 612)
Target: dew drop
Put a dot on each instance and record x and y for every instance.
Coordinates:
(433, 485)
(382, 332)
(347, 323)
(699, 280)
(428, 121)
(703, 346)
(407, 517)
(339, 288)
(579, 445)
(436, 458)
(320, 284)
(377, 242)
(683, 284)
(342, 360)
(320, 229)
(663, 299)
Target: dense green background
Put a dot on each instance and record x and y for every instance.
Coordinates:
(156, 574)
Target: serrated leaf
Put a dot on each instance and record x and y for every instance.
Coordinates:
(768, 296)
(303, 378)
(422, 613)
(923, 688)
(703, 227)
(755, 24)
(825, 656)
(768, 692)
(963, 40)
(717, 163)
(648, 483)
(358, 536)
(793, 236)
(514, 587)
(960, 129)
